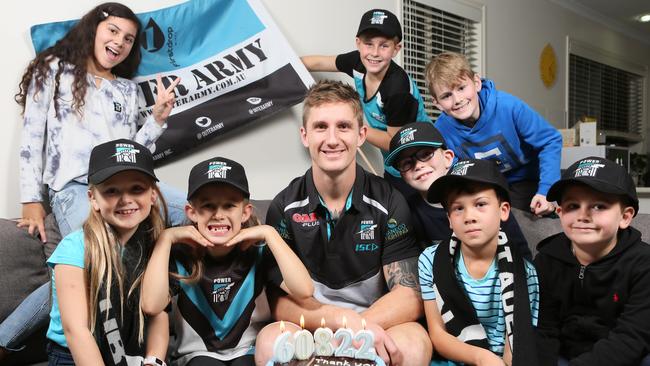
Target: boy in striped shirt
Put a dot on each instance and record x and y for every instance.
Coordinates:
(481, 297)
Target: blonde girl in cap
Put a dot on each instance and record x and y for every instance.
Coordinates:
(96, 317)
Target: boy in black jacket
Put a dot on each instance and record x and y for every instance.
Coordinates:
(595, 276)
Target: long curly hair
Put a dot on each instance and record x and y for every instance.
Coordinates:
(74, 49)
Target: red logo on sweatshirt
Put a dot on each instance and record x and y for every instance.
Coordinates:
(615, 297)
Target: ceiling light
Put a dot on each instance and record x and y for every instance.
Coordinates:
(644, 18)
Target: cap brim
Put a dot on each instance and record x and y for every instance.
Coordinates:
(438, 189)
(392, 156)
(379, 30)
(196, 189)
(103, 174)
(555, 192)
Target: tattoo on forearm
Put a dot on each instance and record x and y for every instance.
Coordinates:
(404, 272)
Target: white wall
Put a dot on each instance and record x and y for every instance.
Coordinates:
(517, 30)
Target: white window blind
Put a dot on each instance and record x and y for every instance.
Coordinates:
(614, 97)
(429, 31)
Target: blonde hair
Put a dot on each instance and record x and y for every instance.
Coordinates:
(446, 69)
(331, 91)
(103, 259)
(198, 253)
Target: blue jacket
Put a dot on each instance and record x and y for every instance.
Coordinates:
(523, 143)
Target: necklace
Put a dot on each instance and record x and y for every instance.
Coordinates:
(111, 77)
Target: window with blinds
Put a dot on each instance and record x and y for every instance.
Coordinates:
(429, 31)
(612, 96)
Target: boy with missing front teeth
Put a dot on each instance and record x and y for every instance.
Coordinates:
(481, 122)
(595, 276)
(390, 98)
(480, 295)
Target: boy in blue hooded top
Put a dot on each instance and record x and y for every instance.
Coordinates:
(481, 122)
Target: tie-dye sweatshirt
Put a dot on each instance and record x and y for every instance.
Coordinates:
(56, 150)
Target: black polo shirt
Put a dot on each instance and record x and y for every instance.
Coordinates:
(345, 257)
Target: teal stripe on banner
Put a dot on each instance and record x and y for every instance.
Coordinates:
(177, 36)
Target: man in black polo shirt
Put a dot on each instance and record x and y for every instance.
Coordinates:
(352, 230)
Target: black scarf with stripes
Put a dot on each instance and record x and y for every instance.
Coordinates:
(459, 315)
(116, 325)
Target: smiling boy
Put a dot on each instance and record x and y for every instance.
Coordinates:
(595, 276)
(419, 152)
(481, 122)
(388, 95)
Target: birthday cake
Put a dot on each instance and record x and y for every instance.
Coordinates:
(304, 349)
(331, 361)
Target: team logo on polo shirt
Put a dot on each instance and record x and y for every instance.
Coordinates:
(221, 289)
(366, 233)
(218, 170)
(378, 17)
(407, 135)
(125, 153)
(588, 168)
(367, 230)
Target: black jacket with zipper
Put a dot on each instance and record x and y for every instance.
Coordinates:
(597, 314)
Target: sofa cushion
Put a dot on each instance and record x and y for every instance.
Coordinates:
(535, 228)
(22, 270)
(261, 206)
(22, 265)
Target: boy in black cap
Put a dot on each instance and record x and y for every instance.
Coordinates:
(419, 152)
(479, 294)
(390, 98)
(595, 276)
(221, 285)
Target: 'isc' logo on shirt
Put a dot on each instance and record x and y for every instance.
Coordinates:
(371, 247)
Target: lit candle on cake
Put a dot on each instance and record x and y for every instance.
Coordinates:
(323, 338)
(304, 342)
(283, 348)
(344, 336)
(367, 339)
